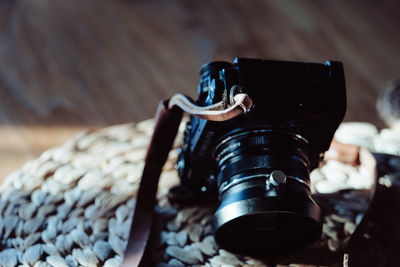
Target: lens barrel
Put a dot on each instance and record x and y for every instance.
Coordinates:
(261, 215)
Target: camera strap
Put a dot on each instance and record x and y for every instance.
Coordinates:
(167, 120)
(216, 112)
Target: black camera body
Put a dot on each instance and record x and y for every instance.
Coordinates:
(258, 163)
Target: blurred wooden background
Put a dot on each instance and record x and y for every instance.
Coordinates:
(72, 65)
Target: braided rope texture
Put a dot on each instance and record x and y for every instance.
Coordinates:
(73, 206)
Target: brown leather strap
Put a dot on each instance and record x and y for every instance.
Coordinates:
(217, 112)
(168, 118)
(165, 130)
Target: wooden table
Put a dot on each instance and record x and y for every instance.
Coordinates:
(73, 65)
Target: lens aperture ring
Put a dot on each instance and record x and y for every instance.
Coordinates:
(252, 154)
(238, 179)
(262, 140)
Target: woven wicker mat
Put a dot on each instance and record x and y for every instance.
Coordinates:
(72, 206)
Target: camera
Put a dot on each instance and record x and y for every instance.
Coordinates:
(257, 164)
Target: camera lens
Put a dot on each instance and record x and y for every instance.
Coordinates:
(266, 206)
